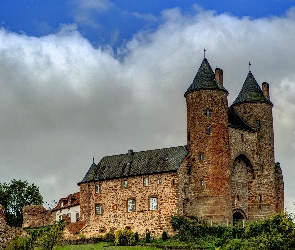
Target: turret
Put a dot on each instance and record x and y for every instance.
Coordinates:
(208, 145)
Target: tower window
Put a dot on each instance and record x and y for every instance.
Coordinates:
(260, 198)
(202, 183)
(258, 123)
(242, 137)
(208, 130)
(238, 198)
(207, 112)
(201, 157)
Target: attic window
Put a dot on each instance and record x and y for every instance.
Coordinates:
(62, 204)
(69, 202)
(124, 184)
(145, 181)
(207, 112)
(97, 188)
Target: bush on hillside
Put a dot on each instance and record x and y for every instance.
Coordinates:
(124, 238)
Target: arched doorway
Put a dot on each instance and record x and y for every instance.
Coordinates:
(238, 219)
(242, 174)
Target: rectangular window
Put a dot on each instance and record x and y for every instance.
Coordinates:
(124, 184)
(208, 130)
(159, 181)
(146, 181)
(202, 183)
(153, 203)
(131, 205)
(98, 209)
(97, 188)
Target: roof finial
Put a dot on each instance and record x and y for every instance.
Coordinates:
(204, 53)
(249, 67)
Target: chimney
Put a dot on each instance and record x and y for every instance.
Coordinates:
(219, 76)
(265, 89)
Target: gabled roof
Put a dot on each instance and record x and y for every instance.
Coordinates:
(235, 121)
(251, 92)
(136, 163)
(204, 79)
(74, 201)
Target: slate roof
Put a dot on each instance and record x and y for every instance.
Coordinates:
(74, 201)
(235, 121)
(251, 92)
(136, 163)
(204, 79)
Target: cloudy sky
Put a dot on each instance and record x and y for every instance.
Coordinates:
(84, 78)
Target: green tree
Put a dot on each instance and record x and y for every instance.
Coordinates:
(14, 196)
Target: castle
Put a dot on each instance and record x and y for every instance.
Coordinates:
(226, 173)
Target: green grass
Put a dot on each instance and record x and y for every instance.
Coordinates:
(103, 245)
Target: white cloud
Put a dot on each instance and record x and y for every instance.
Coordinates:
(62, 100)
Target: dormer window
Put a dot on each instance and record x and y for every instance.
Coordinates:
(69, 202)
(62, 204)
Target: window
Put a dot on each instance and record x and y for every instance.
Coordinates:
(131, 205)
(258, 124)
(69, 215)
(69, 202)
(98, 209)
(201, 157)
(60, 217)
(159, 181)
(208, 130)
(242, 137)
(202, 183)
(238, 198)
(172, 182)
(146, 181)
(207, 112)
(124, 184)
(62, 204)
(97, 188)
(153, 203)
(77, 217)
(260, 198)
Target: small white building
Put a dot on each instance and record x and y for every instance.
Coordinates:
(69, 206)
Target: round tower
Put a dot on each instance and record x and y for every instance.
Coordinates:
(253, 105)
(208, 145)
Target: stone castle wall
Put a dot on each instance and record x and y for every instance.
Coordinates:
(114, 200)
(205, 176)
(37, 216)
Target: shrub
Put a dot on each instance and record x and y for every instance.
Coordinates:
(17, 243)
(148, 237)
(164, 236)
(124, 238)
(109, 237)
(136, 236)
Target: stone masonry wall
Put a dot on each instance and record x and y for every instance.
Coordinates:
(263, 199)
(114, 200)
(37, 216)
(7, 232)
(205, 175)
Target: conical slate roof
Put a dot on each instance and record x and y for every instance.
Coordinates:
(251, 92)
(204, 79)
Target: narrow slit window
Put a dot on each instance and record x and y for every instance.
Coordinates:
(238, 198)
(202, 183)
(242, 137)
(258, 124)
(208, 130)
(159, 181)
(145, 181)
(260, 198)
(201, 157)
(207, 112)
